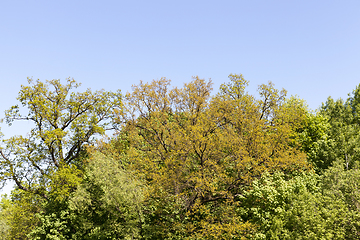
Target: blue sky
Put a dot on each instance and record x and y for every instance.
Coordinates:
(310, 48)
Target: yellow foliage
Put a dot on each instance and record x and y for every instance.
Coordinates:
(207, 149)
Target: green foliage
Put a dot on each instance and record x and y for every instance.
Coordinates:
(18, 214)
(286, 207)
(53, 227)
(315, 140)
(107, 205)
(340, 119)
(184, 164)
(48, 161)
(204, 151)
(343, 131)
(63, 123)
(163, 216)
(305, 206)
(4, 214)
(344, 185)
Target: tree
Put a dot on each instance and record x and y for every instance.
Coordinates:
(314, 136)
(18, 213)
(343, 131)
(107, 205)
(338, 124)
(342, 183)
(180, 166)
(206, 150)
(48, 159)
(296, 207)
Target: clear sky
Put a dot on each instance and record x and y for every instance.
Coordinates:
(310, 48)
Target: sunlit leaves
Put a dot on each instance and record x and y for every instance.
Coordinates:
(108, 203)
(63, 122)
(205, 150)
(294, 207)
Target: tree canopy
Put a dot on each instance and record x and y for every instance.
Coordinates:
(182, 163)
(63, 123)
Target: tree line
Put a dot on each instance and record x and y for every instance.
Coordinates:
(181, 163)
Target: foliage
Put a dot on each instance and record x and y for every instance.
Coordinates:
(54, 226)
(294, 208)
(344, 184)
(205, 150)
(64, 121)
(163, 216)
(341, 138)
(18, 213)
(316, 141)
(305, 206)
(109, 200)
(48, 161)
(184, 164)
(4, 214)
(107, 205)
